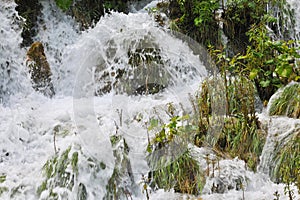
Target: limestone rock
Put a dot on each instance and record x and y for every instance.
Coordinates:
(39, 69)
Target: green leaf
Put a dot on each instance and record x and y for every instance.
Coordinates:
(242, 57)
(284, 70)
(270, 61)
(265, 83)
(153, 124)
(253, 74)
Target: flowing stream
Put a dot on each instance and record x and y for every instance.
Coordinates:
(34, 128)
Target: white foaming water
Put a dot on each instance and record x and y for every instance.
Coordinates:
(295, 6)
(11, 56)
(29, 121)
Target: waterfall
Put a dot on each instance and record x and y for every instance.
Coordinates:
(110, 80)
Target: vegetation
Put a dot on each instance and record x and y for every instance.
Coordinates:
(121, 183)
(287, 161)
(256, 48)
(240, 126)
(183, 175)
(61, 174)
(179, 171)
(64, 4)
(57, 173)
(2, 180)
(287, 102)
(257, 60)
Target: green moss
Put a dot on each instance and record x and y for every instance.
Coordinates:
(288, 102)
(64, 4)
(2, 190)
(74, 162)
(2, 178)
(42, 188)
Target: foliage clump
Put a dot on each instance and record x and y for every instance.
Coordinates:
(240, 124)
(287, 102)
(169, 158)
(62, 178)
(183, 175)
(121, 183)
(60, 171)
(287, 161)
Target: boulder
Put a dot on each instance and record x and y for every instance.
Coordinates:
(39, 69)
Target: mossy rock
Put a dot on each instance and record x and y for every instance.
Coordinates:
(88, 12)
(144, 73)
(286, 101)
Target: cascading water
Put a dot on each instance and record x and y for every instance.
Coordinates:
(98, 76)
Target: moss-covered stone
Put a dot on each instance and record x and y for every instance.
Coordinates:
(144, 72)
(286, 101)
(89, 12)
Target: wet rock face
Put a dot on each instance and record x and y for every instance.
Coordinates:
(86, 12)
(39, 69)
(30, 10)
(90, 11)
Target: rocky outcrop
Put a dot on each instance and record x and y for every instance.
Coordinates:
(89, 12)
(30, 10)
(39, 69)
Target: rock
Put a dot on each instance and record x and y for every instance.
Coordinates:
(143, 74)
(30, 10)
(150, 88)
(39, 69)
(88, 12)
(286, 101)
